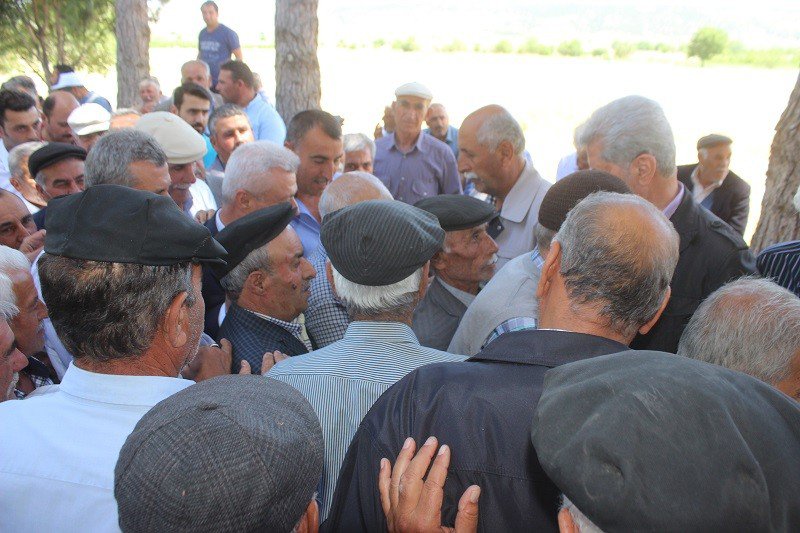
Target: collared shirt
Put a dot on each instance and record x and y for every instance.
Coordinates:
(326, 315)
(265, 121)
(520, 215)
(343, 380)
(57, 464)
(202, 197)
(295, 328)
(567, 165)
(428, 169)
(5, 173)
(59, 356)
(218, 221)
(307, 229)
(93, 97)
(464, 297)
(676, 202)
(450, 138)
(699, 191)
(781, 263)
(38, 374)
(211, 153)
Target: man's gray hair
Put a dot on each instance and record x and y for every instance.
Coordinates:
(197, 62)
(584, 524)
(150, 80)
(249, 164)
(544, 237)
(8, 301)
(354, 142)
(110, 159)
(750, 325)
(612, 263)
(225, 111)
(397, 299)
(335, 196)
(233, 282)
(19, 153)
(12, 260)
(629, 127)
(498, 127)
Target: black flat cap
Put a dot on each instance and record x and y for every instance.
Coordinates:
(250, 232)
(116, 224)
(52, 153)
(713, 140)
(380, 242)
(234, 453)
(566, 193)
(647, 441)
(457, 211)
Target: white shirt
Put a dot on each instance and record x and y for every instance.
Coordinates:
(5, 173)
(60, 358)
(567, 165)
(202, 197)
(699, 191)
(60, 447)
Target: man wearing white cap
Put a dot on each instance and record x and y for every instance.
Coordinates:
(88, 123)
(414, 166)
(184, 147)
(71, 82)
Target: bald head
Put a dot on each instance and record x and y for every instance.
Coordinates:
(438, 121)
(57, 108)
(351, 188)
(196, 71)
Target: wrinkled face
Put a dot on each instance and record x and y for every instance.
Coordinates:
(196, 73)
(291, 273)
(438, 121)
(27, 183)
(194, 110)
(27, 325)
(230, 133)
(594, 153)
(320, 156)
(63, 177)
(409, 112)
(228, 88)
(210, 15)
(181, 177)
(87, 141)
(471, 255)
(11, 362)
(476, 161)
(358, 160)
(16, 222)
(714, 162)
(280, 186)
(151, 178)
(56, 125)
(21, 127)
(149, 93)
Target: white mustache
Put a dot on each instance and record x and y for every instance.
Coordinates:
(492, 261)
(471, 176)
(12, 386)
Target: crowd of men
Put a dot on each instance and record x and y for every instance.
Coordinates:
(214, 320)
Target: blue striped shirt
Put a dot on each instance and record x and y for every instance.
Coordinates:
(344, 379)
(781, 262)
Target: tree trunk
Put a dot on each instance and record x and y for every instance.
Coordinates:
(133, 49)
(296, 65)
(779, 220)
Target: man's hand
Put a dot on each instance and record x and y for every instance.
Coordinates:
(210, 362)
(413, 505)
(269, 360)
(203, 216)
(32, 244)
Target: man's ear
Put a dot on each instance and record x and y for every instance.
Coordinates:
(242, 199)
(647, 327)
(329, 276)
(565, 522)
(176, 322)
(256, 282)
(551, 266)
(289, 145)
(423, 283)
(644, 168)
(505, 150)
(15, 182)
(173, 109)
(439, 261)
(309, 523)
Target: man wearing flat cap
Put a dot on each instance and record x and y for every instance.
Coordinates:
(467, 259)
(411, 164)
(185, 442)
(714, 186)
(508, 302)
(594, 295)
(57, 169)
(89, 122)
(121, 278)
(380, 273)
(267, 281)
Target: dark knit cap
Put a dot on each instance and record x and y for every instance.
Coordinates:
(457, 211)
(569, 191)
(713, 139)
(52, 153)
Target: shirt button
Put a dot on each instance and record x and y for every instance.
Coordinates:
(402, 179)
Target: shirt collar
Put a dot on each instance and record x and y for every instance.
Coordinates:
(699, 187)
(519, 199)
(391, 332)
(673, 205)
(462, 296)
(253, 103)
(118, 389)
(292, 327)
(218, 221)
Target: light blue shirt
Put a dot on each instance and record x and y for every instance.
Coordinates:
(265, 121)
(450, 139)
(211, 154)
(307, 229)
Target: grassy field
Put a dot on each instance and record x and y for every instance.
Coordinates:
(549, 95)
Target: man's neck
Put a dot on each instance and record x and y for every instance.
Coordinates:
(406, 141)
(471, 287)
(262, 307)
(706, 179)
(312, 204)
(227, 214)
(148, 364)
(212, 26)
(442, 138)
(516, 167)
(587, 325)
(406, 319)
(662, 196)
(246, 97)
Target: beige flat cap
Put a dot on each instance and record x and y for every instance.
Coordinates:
(180, 141)
(414, 89)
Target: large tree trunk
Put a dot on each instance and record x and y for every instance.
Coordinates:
(133, 49)
(779, 220)
(296, 64)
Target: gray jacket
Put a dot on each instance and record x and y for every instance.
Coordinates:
(437, 316)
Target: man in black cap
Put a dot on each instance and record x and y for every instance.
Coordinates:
(177, 472)
(266, 279)
(467, 259)
(714, 186)
(58, 171)
(595, 294)
(121, 278)
(380, 272)
(508, 302)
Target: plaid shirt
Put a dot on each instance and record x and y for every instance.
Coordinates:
(326, 316)
(37, 373)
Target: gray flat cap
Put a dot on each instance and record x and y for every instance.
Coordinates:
(457, 211)
(712, 140)
(380, 242)
(647, 441)
(234, 453)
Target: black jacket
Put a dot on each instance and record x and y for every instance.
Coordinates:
(711, 254)
(213, 295)
(730, 202)
(482, 409)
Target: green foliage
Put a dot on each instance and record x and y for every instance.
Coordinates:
(645, 46)
(600, 52)
(532, 46)
(378, 43)
(503, 47)
(706, 43)
(41, 33)
(770, 58)
(622, 49)
(455, 46)
(477, 48)
(409, 45)
(664, 48)
(571, 48)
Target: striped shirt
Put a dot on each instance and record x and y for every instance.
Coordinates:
(781, 262)
(344, 379)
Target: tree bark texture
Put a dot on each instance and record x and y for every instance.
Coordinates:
(779, 220)
(297, 77)
(133, 49)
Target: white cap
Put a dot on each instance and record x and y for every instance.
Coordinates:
(414, 89)
(67, 79)
(180, 141)
(89, 118)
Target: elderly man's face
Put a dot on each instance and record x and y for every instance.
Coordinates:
(194, 110)
(16, 222)
(63, 177)
(21, 127)
(714, 163)
(182, 177)
(476, 161)
(25, 183)
(594, 152)
(149, 93)
(470, 258)
(438, 121)
(27, 325)
(56, 125)
(280, 186)
(320, 156)
(230, 133)
(11, 362)
(196, 73)
(88, 141)
(358, 160)
(291, 274)
(409, 113)
(151, 178)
